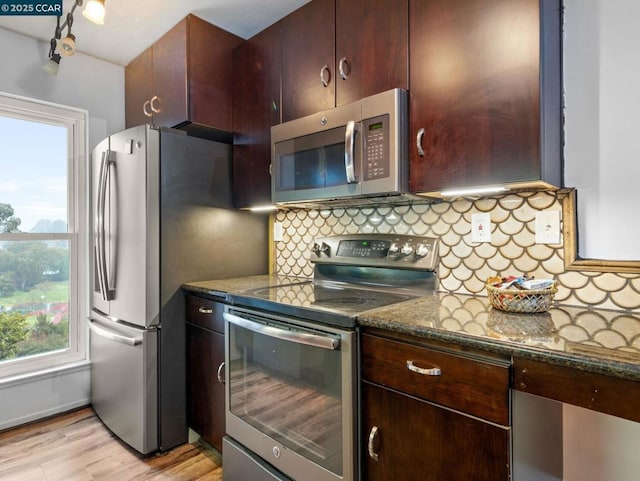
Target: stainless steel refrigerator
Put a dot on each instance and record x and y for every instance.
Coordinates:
(161, 216)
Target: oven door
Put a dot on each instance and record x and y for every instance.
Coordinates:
(290, 394)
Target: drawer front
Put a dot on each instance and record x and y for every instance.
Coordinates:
(469, 385)
(205, 313)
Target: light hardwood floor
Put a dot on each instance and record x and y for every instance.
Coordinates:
(76, 447)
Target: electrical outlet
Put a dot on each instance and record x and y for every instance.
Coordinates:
(278, 232)
(548, 227)
(481, 227)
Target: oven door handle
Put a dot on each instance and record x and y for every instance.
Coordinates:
(316, 340)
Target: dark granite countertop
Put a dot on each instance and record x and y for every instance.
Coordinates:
(222, 287)
(601, 341)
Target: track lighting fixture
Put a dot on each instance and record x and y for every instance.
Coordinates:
(68, 43)
(53, 63)
(94, 11)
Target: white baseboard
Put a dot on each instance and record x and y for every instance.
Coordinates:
(43, 414)
(44, 395)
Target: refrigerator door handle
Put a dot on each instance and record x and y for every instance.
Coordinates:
(101, 210)
(130, 341)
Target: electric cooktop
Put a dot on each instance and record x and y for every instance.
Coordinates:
(352, 274)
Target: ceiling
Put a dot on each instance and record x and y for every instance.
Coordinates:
(131, 26)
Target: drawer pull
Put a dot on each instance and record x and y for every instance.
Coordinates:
(434, 371)
(373, 435)
(205, 310)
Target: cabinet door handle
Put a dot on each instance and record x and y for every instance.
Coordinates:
(221, 373)
(325, 75)
(154, 109)
(434, 371)
(144, 109)
(419, 138)
(373, 436)
(344, 67)
(205, 310)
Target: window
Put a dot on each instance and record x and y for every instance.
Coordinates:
(43, 235)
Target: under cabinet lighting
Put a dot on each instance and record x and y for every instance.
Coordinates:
(263, 208)
(473, 191)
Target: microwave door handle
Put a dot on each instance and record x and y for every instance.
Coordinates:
(349, 150)
(316, 340)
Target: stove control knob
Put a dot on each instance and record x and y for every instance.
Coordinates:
(320, 248)
(422, 251)
(393, 249)
(406, 250)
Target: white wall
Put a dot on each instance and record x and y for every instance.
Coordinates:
(98, 87)
(82, 81)
(35, 397)
(602, 159)
(602, 74)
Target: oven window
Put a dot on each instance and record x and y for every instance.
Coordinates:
(291, 392)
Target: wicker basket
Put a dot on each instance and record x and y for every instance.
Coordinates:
(521, 300)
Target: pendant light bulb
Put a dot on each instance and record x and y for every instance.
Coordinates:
(94, 11)
(53, 64)
(68, 45)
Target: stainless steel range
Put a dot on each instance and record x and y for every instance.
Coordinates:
(291, 351)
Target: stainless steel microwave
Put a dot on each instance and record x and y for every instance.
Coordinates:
(352, 151)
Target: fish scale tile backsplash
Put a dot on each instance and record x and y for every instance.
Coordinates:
(464, 265)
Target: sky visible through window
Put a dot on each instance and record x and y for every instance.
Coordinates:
(33, 171)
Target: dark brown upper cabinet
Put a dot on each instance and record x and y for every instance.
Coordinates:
(485, 83)
(184, 79)
(338, 51)
(308, 53)
(372, 45)
(256, 107)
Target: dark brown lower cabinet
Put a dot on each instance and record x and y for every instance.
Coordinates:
(415, 440)
(430, 413)
(205, 369)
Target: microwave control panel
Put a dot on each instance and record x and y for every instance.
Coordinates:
(376, 147)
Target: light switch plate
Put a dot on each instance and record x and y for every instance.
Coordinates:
(548, 227)
(278, 232)
(481, 227)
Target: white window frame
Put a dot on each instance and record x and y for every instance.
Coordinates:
(75, 121)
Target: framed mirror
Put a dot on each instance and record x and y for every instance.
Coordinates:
(602, 151)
